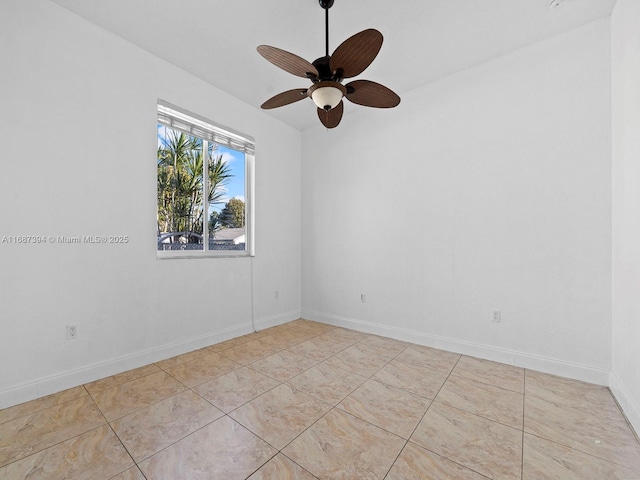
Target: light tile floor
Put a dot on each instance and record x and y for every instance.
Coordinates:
(310, 401)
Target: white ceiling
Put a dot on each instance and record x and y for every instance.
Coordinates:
(425, 40)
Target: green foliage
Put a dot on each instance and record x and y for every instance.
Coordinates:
(180, 182)
(233, 214)
(214, 221)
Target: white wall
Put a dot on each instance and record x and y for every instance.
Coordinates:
(78, 136)
(489, 189)
(625, 377)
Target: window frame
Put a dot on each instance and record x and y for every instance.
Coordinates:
(179, 119)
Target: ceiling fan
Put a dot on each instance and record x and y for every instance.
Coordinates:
(326, 73)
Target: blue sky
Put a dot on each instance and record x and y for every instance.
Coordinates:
(235, 187)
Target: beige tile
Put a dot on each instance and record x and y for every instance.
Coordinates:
(291, 337)
(225, 345)
(493, 403)
(592, 433)
(416, 463)
(202, 369)
(469, 432)
(290, 323)
(283, 365)
(545, 460)
(269, 341)
(393, 409)
(30, 434)
(153, 428)
(27, 408)
(278, 328)
(419, 380)
(316, 328)
(571, 393)
(493, 373)
(387, 347)
(295, 323)
(121, 378)
(432, 358)
(94, 454)
(255, 350)
(320, 325)
(344, 335)
(223, 449)
(319, 348)
(186, 357)
(327, 383)
(131, 474)
(251, 336)
(360, 359)
(281, 468)
(487, 447)
(280, 415)
(233, 389)
(340, 445)
(124, 399)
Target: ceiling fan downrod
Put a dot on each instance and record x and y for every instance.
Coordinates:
(326, 4)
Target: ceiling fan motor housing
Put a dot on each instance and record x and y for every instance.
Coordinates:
(324, 70)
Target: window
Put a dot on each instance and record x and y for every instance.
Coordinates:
(205, 187)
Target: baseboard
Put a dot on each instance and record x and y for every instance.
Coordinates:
(625, 400)
(553, 366)
(88, 373)
(274, 320)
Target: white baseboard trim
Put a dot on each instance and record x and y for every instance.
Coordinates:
(625, 400)
(553, 366)
(88, 373)
(279, 319)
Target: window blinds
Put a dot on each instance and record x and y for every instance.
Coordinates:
(196, 126)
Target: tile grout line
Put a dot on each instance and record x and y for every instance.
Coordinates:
(580, 451)
(122, 383)
(61, 441)
(227, 414)
(422, 418)
(571, 447)
(116, 435)
(284, 383)
(53, 445)
(287, 347)
(329, 410)
(107, 422)
(40, 410)
(420, 421)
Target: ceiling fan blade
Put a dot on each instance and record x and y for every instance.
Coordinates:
(288, 61)
(331, 118)
(285, 98)
(371, 94)
(356, 53)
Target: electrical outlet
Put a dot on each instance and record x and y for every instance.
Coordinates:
(72, 332)
(497, 316)
(363, 298)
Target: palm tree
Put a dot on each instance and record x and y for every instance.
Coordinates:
(180, 182)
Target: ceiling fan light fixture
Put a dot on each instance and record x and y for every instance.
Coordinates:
(327, 94)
